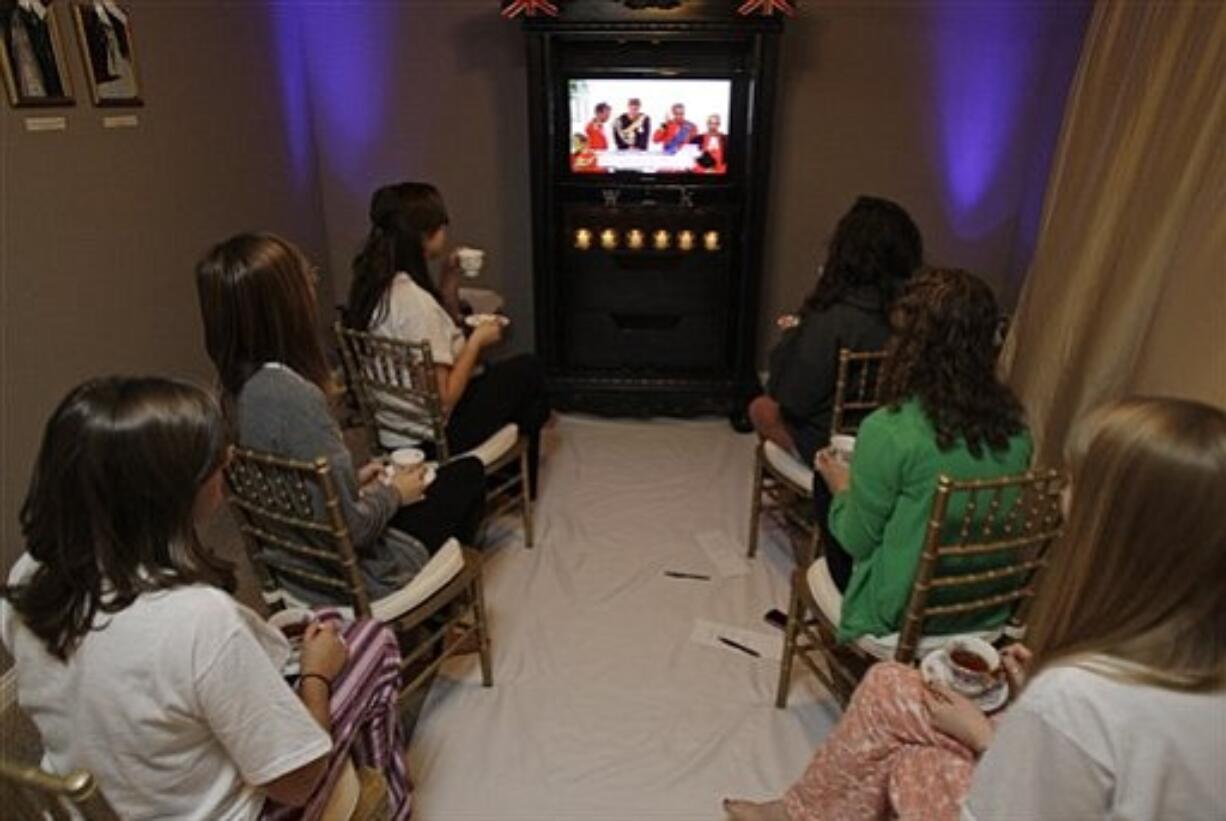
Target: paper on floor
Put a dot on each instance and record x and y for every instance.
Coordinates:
(768, 646)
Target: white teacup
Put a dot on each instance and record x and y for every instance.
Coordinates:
(293, 622)
(471, 260)
(974, 665)
(844, 446)
(407, 458)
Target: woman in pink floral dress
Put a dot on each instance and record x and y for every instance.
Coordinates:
(1125, 714)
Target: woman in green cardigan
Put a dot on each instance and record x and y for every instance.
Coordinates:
(943, 412)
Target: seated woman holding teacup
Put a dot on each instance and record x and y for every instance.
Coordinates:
(1122, 708)
(393, 295)
(130, 655)
(943, 412)
(257, 299)
(875, 249)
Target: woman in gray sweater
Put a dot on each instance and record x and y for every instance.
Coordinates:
(257, 300)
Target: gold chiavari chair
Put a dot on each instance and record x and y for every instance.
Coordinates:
(782, 483)
(293, 528)
(32, 792)
(396, 387)
(986, 543)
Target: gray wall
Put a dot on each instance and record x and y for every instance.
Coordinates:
(101, 228)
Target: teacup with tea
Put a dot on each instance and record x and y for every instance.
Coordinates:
(974, 665)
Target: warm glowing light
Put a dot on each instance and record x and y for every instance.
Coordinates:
(685, 240)
(634, 239)
(661, 240)
(583, 239)
(608, 239)
(710, 240)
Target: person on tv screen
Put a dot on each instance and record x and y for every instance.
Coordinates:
(632, 128)
(595, 131)
(676, 132)
(714, 146)
(583, 159)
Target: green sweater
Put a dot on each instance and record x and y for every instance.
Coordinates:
(881, 519)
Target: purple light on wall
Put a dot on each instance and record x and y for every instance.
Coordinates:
(295, 96)
(988, 57)
(334, 63)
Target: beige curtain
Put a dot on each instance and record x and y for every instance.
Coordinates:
(1127, 290)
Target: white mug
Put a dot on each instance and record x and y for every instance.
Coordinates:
(844, 446)
(471, 260)
(407, 458)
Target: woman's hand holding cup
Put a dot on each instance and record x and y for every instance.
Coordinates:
(410, 484)
(487, 334)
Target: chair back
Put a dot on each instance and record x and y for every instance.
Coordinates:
(34, 793)
(985, 544)
(293, 528)
(855, 389)
(396, 386)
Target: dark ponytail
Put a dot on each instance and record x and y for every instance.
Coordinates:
(402, 217)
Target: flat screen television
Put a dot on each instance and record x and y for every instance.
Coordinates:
(649, 126)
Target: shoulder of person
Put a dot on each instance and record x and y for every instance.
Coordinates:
(275, 382)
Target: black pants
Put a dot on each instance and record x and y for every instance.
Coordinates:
(837, 559)
(453, 506)
(513, 390)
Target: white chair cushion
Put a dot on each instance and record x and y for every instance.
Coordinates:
(443, 566)
(494, 448)
(345, 796)
(830, 601)
(795, 470)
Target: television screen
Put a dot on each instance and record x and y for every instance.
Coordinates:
(649, 126)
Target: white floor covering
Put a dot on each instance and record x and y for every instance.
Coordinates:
(602, 707)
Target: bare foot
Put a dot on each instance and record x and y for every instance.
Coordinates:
(752, 811)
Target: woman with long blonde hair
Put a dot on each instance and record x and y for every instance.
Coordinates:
(1122, 707)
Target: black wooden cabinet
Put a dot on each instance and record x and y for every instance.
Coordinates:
(646, 281)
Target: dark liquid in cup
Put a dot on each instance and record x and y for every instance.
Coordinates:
(969, 661)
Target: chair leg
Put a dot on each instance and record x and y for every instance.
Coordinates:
(483, 632)
(755, 507)
(795, 614)
(525, 489)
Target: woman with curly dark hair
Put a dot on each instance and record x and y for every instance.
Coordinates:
(944, 412)
(875, 250)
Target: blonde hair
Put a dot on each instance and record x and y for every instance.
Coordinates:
(1137, 588)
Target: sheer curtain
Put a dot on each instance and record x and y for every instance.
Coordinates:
(1127, 290)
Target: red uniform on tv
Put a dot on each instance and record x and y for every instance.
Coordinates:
(674, 135)
(596, 139)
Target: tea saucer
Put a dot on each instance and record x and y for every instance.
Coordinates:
(473, 320)
(935, 670)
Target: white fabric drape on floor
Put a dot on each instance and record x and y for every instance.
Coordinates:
(602, 707)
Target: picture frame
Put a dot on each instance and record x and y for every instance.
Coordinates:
(108, 51)
(32, 56)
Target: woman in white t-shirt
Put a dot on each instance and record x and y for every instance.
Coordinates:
(392, 294)
(1124, 712)
(131, 657)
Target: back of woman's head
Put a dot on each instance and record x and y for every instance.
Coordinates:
(257, 300)
(1140, 574)
(402, 217)
(876, 246)
(110, 509)
(942, 351)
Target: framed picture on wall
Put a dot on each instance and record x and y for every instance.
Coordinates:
(104, 31)
(32, 54)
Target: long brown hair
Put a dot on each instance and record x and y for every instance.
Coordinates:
(402, 217)
(1140, 575)
(109, 514)
(257, 300)
(943, 352)
(876, 246)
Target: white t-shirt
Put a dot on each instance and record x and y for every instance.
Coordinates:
(1078, 745)
(175, 704)
(415, 316)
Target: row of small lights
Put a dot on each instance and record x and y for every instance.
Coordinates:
(637, 240)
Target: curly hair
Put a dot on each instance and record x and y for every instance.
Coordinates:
(943, 353)
(876, 244)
